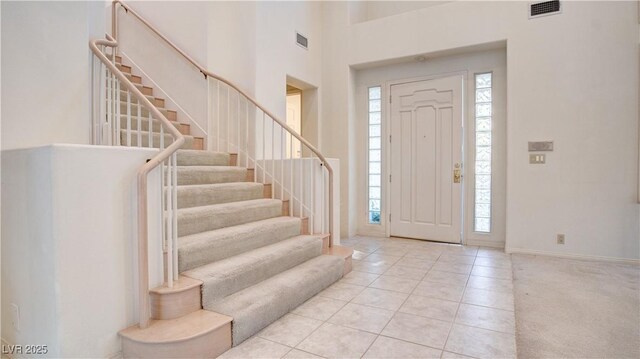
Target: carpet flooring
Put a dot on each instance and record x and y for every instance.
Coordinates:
(576, 309)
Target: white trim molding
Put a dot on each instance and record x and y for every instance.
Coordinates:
(585, 257)
(484, 243)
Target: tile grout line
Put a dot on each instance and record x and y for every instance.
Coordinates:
(457, 310)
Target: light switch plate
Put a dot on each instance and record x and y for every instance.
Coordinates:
(540, 146)
(537, 159)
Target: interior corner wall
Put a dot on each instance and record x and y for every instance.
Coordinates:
(571, 78)
(334, 131)
(46, 71)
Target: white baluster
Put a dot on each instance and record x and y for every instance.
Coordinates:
(118, 113)
(169, 221)
(264, 155)
(150, 129)
(139, 123)
(312, 197)
(291, 187)
(174, 191)
(128, 118)
(102, 103)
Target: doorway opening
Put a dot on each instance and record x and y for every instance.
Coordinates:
(294, 120)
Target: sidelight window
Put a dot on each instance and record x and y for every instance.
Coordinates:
(483, 116)
(375, 155)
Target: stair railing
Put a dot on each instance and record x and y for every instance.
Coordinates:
(118, 108)
(273, 153)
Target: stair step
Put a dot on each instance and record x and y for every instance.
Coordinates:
(201, 334)
(184, 128)
(124, 68)
(343, 252)
(203, 158)
(199, 249)
(223, 278)
(146, 90)
(171, 115)
(190, 142)
(256, 307)
(160, 102)
(134, 78)
(207, 218)
(188, 175)
(207, 194)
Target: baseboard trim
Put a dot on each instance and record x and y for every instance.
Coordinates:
(572, 256)
(371, 234)
(484, 243)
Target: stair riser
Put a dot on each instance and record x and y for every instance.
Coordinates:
(267, 190)
(191, 198)
(201, 221)
(224, 246)
(209, 345)
(252, 273)
(190, 158)
(210, 177)
(184, 128)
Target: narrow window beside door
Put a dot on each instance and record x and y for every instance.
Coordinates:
(375, 154)
(482, 213)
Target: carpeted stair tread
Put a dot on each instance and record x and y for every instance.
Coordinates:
(201, 248)
(189, 175)
(188, 140)
(255, 307)
(208, 194)
(228, 276)
(207, 218)
(203, 158)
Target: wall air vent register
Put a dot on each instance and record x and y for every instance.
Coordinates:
(302, 40)
(544, 8)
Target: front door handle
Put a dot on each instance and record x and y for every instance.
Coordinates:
(457, 174)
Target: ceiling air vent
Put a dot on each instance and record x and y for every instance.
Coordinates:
(544, 8)
(302, 40)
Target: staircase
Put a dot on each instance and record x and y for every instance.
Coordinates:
(243, 261)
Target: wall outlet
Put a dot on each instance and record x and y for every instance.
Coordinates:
(560, 238)
(15, 316)
(537, 159)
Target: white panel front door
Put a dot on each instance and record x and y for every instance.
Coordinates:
(426, 147)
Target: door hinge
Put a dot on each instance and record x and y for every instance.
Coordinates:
(389, 138)
(389, 178)
(390, 98)
(389, 217)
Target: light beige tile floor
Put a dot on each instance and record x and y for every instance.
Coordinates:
(403, 299)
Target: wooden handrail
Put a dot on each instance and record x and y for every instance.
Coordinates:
(143, 172)
(207, 74)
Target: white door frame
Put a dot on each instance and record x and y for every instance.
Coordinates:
(386, 150)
